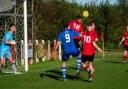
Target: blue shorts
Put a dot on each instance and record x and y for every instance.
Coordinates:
(70, 52)
(5, 54)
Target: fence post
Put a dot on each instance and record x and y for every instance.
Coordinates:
(36, 49)
(43, 58)
(60, 57)
(49, 52)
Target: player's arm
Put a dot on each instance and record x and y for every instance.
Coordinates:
(97, 47)
(8, 41)
(58, 42)
(96, 36)
(121, 41)
(57, 45)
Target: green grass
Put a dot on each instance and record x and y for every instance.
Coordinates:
(110, 73)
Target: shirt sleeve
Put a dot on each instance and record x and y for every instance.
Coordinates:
(60, 37)
(81, 28)
(76, 33)
(93, 38)
(8, 36)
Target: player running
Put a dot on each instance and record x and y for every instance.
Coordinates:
(125, 40)
(5, 48)
(66, 38)
(88, 51)
(77, 26)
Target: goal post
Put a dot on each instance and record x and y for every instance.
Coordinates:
(15, 11)
(25, 36)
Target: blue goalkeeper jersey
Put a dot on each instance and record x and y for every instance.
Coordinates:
(8, 36)
(67, 38)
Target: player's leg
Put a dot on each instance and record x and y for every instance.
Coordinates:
(11, 60)
(91, 71)
(78, 63)
(91, 67)
(78, 47)
(76, 53)
(2, 60)
(2, 63)
(125, 53)
(124, 56)
(84, 63)
(63, 68)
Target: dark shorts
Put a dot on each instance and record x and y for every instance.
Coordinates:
(86, 58)
(70, 52)
(77, 43)
(126, 47)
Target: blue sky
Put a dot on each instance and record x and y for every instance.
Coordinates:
(85, 1)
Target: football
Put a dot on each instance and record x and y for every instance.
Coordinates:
(85, 13)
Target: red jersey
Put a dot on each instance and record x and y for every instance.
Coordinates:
(126, 38)
(95, 33)
(88, 48)
(77, 26)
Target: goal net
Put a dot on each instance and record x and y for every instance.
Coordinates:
(12, 11)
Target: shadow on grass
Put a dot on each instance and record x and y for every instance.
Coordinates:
(55, 74)
(115, 62)
(74, 68)
(126, 70)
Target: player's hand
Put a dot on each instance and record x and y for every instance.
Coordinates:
(81, 35)
(13, 42)
(100, 50)
(119, 46)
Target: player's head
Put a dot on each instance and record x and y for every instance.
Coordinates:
(79, 18)
(13, 27)
(89, 27)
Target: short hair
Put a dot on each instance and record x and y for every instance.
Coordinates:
(78, 17)
(12, 25)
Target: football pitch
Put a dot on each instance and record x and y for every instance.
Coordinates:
(110, 73)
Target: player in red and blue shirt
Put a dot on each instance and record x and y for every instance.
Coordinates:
(125, 40)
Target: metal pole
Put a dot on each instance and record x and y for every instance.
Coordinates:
(25, 36)
(32, 30)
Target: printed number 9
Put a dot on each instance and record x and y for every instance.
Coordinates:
(67, 37)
